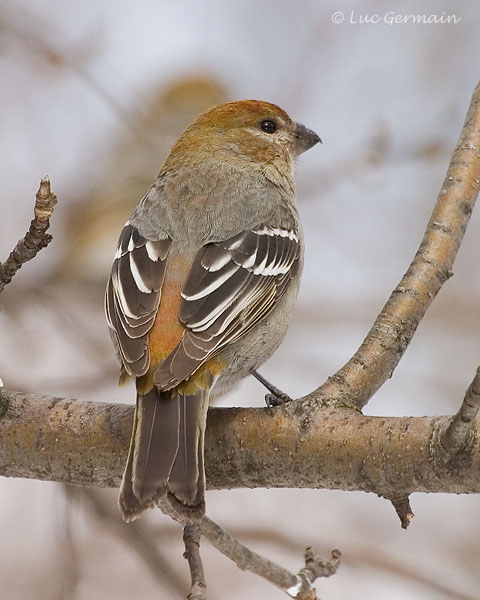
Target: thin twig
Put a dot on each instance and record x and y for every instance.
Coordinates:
(374, 362)
(36, 237)
(458, 432)
(191, 539)
(297, 586)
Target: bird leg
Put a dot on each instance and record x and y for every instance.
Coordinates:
(276, 396)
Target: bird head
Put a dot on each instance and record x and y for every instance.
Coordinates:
(245, 134)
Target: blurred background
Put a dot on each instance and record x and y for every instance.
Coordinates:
(94, 94)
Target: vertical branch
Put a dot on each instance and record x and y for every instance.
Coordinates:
(191, 538)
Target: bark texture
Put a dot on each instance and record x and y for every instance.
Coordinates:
(295, 445)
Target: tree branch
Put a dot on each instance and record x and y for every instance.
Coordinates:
(191, 538)
(376, 359)
(460, 429)
(36, 237)
(85, 443)
(297, 586)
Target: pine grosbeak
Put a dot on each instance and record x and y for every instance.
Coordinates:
(202, 288)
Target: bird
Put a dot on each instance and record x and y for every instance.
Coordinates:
(202, 289)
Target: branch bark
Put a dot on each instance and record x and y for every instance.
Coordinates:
(295, 445)
(191, 539)
(36, 237)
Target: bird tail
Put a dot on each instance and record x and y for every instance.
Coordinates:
(165, 460)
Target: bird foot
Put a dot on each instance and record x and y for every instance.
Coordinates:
(276, 397)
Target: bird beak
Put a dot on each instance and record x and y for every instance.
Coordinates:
(304, 139)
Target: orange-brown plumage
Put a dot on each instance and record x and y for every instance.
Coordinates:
(227, 129)
(167, 331)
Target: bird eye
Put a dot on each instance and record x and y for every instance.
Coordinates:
(268, 126)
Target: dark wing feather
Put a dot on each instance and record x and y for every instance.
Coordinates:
(133, 295)
(231, 287)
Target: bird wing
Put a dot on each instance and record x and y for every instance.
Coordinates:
(231, 287)
(133, 295)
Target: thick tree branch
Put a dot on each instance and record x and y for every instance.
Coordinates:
(374, 362)
(86, 443)
(36, 237)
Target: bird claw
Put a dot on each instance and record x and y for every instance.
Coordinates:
(276, 397)
(272, 400)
